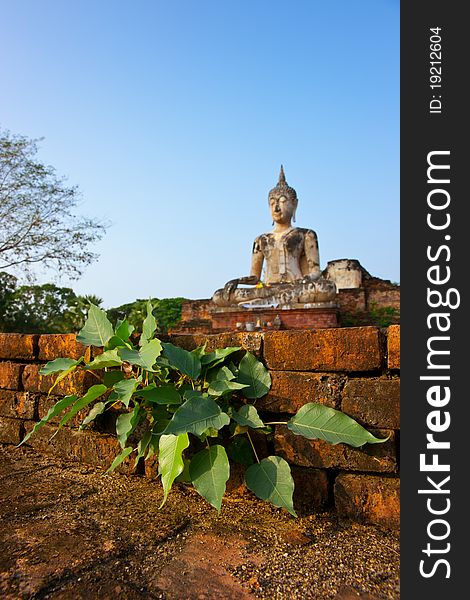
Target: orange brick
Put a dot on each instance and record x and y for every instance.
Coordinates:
(342, 349)
(10, 430)
(300, 451)
(290, 390)
(393, 347)
(53, 346)
(76, 383)
(86, 447)
(17, 405)
(373, 402)
(311, 489)
(369, 499)
(10, 375)
(18, 346)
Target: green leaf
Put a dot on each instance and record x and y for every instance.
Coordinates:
(166, 394)
(255, 375)
(92, 394)
(316, 421)
(209, 471)
(110, 378)
(271, 480)
(125, 388)
(126, 423)
(124, 330)
(119, 459)
(110, 358)
(218, 355)
(240, 451)
(248, 416)
(170, 459)
(222, 386)
(224, 373)
(116, 342)
(59, 364)
(184, 361)
(145, 357)
(196, 415)
(98, 409)
(149, 325)
(97, 329)
(199, 351)
(55, 410)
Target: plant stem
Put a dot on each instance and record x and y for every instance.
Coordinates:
(277, 423)
(252, 445)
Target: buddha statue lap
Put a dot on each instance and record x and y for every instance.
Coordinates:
(290, 257)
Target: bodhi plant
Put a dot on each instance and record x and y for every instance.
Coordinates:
(191, 409)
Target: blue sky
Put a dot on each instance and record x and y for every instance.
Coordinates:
(173, 119)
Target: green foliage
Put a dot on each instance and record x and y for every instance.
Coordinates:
(43, 308)
(315, 421)
(193, 408)
(380, 316)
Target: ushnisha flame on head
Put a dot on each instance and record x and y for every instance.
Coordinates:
(282, 189)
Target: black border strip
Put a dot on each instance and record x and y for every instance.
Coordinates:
(422, 132)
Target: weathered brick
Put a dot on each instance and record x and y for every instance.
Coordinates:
(75, 383)
(53, 346)
(393, 346)
(17, 405)
(342, 349)
(311, 491)
(10, 430)
(251, 341)
(86, 447)
(300, 451)
(10, 375)
(290, 390)
(369, 499)
(18, 346)
(374, 402)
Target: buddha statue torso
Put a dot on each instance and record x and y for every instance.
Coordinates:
(290, 258)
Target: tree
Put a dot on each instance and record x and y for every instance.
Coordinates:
(43, 308)
(37, 222)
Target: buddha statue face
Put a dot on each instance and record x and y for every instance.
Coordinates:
(282, 208)
(282, 201)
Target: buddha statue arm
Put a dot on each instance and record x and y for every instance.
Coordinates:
(312, 256)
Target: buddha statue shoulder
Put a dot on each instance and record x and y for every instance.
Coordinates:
(290, 258)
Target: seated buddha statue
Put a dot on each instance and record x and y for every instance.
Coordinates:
(290, 258)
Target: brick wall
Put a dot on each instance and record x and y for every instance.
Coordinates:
(355, 370)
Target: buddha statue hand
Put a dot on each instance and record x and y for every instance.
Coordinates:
(232, 285)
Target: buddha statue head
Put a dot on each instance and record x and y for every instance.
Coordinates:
(282, 201)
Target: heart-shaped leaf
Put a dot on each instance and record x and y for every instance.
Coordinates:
(254, 374)
(97, 329)
(271, 480)
(196, 415)
(209, 471)
(186, 362)
(316, 421)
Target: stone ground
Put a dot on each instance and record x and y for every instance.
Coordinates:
(69, 533)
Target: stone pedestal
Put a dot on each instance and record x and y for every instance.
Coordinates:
(266, 319)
